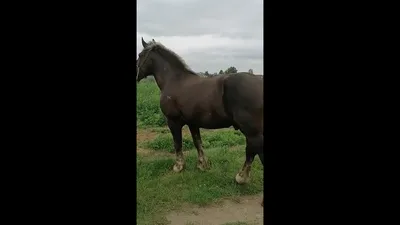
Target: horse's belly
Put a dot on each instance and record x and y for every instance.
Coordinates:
(215, 125)
(210, 121)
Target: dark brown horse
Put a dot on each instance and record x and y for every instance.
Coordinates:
(217, 102)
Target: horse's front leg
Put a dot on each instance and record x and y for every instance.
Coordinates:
(176, 131)
(202, 162)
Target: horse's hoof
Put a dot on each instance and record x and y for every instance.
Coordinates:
(203, 165)
(240, 179)
(178, 167)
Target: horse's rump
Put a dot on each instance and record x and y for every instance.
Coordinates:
(243, 102)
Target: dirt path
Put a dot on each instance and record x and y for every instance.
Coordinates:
(245, 209)
(145, 135)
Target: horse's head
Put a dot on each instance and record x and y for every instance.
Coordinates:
(144, 64)
(156, 58)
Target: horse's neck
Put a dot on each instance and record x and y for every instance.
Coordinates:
(159, 80)
(165, 74)
(159, 74)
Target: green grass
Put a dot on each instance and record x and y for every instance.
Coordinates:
(160, 190)
(232, 223)
(222, 138)
(237, 223)
(148, 105)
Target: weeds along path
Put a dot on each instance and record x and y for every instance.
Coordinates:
(192, 196)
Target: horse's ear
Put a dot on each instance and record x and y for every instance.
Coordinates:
(144, 43)
(154, 40)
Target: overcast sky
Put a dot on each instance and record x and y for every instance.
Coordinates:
(208, 34)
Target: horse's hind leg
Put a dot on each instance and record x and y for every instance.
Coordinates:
(261, 155)
(202, 162)
(176, 131)
(253, 145)
(250, 124)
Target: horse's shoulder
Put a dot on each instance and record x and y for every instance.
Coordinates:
(167, 97)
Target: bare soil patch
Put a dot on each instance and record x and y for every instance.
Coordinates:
(242, 209)
(145, 135)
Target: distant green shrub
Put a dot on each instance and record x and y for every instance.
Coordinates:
(148, 105)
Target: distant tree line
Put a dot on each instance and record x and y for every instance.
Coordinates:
(229, 70)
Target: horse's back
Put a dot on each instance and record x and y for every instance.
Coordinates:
(244, 91)
(244, 102)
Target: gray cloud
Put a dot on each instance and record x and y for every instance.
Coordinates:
(236, 27)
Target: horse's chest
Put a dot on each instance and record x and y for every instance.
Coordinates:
(169, 105)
